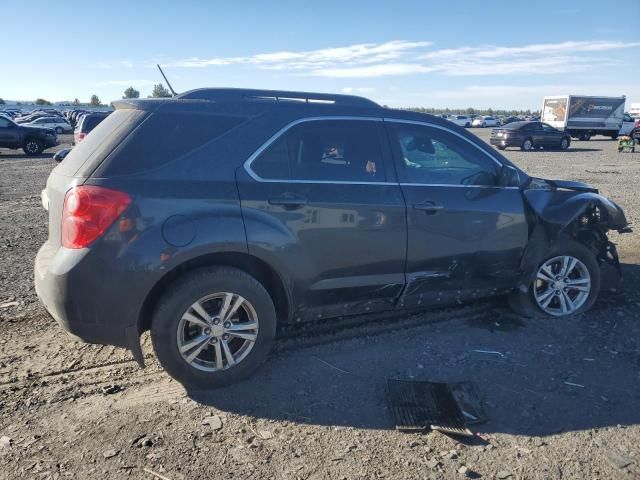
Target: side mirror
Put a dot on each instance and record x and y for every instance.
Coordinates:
(509, 177)
(60, 155)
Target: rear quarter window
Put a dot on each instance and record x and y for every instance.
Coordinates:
(95, 147)
(164, 137)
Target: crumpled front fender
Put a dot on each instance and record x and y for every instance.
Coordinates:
(559, 208)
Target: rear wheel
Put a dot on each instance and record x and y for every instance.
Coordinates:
(214, 327)
(527, 145)
(58, 130)
(585, 136)
(567, 283)
(614, 137)
(500, 147)
(32, 147)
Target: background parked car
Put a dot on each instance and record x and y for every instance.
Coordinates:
(529, 136)
(87, 123)
(33, 140)
(59, 124)
(33, 116)
(487, 121)
(628, 124)
(461, 120)
(507, 120)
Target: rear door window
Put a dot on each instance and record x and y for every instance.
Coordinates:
(326, 151)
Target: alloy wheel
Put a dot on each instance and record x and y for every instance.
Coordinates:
(562, 285)
(32, 147)
(217, 332)
(527, 145)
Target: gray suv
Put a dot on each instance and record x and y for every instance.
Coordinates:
(213, 217)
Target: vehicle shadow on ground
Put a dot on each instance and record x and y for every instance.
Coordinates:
(537, 377)
(20, 155)
(569, 150)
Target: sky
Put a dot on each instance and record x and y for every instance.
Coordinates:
(489, 53)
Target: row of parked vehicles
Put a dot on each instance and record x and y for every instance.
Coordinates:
(36, 131)
(483, 121)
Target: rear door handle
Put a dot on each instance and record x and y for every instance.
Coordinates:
(289, 201)
(428, 207)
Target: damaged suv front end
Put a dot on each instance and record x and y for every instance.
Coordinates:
(563, 210)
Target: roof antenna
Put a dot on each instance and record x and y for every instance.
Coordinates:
(165, 79)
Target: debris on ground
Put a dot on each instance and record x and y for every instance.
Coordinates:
(422, 405)
(111, 389)
(5, 442)
(110, 453)
(214, 421)
(617, 459)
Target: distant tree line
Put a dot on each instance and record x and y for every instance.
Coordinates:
(469, 111)
(159, 91)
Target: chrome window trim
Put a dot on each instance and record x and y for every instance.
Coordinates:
(432, 125)
(283, 130)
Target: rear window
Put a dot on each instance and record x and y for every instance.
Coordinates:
(163, 137)
(91, 122)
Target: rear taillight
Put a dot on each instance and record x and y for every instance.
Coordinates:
(81, 136)
(87, 213)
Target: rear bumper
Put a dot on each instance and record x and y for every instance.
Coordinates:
(74, 300)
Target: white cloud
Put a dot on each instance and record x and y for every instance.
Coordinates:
(541, 59)
(364, 53)
(126, 83)
(351, 90)
(370, 71)
(400, 57)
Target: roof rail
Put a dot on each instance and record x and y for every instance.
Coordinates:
(243, 94)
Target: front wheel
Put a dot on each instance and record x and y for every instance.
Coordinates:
(32, 147)
(213, 328)
(566, 283)
(564, 143)
(527, 145)
(58, 130)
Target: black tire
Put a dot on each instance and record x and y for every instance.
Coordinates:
(185, 292)
(525, 303)
(59, 130)
(614, 137)
(585, 137)
(527, 145)
(32, 146)
(564, 143)
(500, 147)
(484, 125)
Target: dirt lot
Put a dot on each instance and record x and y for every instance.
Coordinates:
(563, 397)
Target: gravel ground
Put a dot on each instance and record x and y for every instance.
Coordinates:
(563, 398)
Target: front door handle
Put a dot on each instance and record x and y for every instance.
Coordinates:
(290, 201)
(428, 207)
